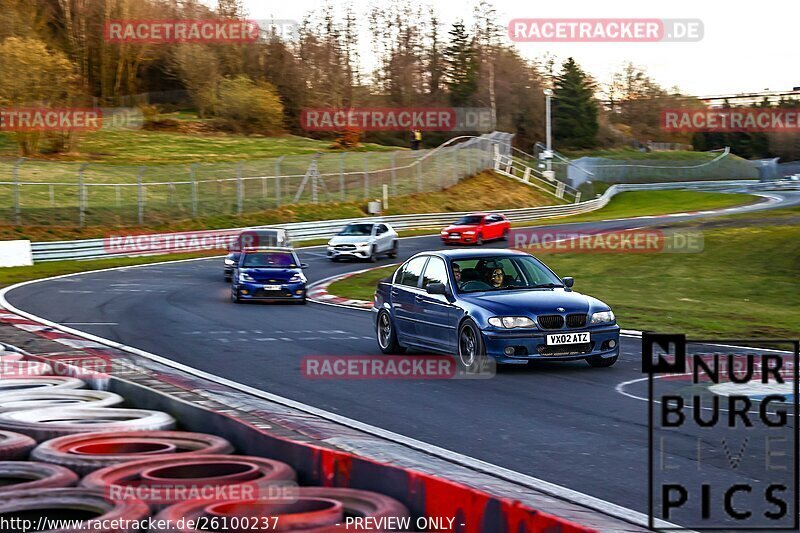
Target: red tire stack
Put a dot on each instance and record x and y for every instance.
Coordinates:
(129, 474)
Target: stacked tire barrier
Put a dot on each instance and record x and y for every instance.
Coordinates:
(68, 453)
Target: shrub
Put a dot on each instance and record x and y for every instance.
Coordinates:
(249, 106)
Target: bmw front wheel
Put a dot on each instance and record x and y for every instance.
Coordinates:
(471, 350)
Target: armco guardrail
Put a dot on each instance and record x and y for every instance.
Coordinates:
(305, 231)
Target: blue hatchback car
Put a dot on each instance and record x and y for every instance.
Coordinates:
(268, 274)
(501, 303)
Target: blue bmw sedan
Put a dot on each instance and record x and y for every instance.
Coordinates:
(500, 303)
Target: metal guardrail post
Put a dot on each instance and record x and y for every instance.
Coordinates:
(140, 197)
(455, 165)
(239, 189)
(394, 173)
(418, 165)
(366, 175)
(17, 207)
(439, 170)
(193, 179)
(342, 191)
(278, 181)
(82, 199)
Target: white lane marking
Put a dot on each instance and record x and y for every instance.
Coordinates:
(558, 491)
(314, 254)
(638, 334)
(89, 324)
(67, 291)
(620, 388)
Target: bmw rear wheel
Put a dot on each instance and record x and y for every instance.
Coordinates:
(387, 337)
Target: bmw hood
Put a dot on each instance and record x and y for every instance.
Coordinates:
(270, 275)
(534, 302)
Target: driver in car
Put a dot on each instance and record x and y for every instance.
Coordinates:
(457, 274)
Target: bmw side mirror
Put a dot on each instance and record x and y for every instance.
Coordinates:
(303, 265)
(436, 288)
(568, 282)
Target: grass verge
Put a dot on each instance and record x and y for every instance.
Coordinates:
(649, 203)
(361, 286)
(145, 147)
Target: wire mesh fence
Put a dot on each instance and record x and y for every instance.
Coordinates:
(721, 165)
(34, 192)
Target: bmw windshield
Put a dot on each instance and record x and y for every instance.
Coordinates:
(503, 273)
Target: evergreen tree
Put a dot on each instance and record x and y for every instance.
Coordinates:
(462, 65)
(574, 108)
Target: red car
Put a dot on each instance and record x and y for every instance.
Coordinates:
(476, 229)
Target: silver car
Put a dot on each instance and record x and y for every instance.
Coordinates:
(364, 240)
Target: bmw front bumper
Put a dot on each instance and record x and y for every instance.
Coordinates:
(520, 346)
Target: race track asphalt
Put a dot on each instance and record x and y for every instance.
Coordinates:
(561, 422)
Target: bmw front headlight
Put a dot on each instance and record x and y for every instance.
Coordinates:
(246, 278)
(603, 317)
(511, 322)
(229, 262)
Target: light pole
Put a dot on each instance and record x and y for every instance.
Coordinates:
(548, 93)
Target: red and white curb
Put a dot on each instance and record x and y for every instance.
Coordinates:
(318, 292)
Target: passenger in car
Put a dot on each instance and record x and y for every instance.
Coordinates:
(497, 278)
